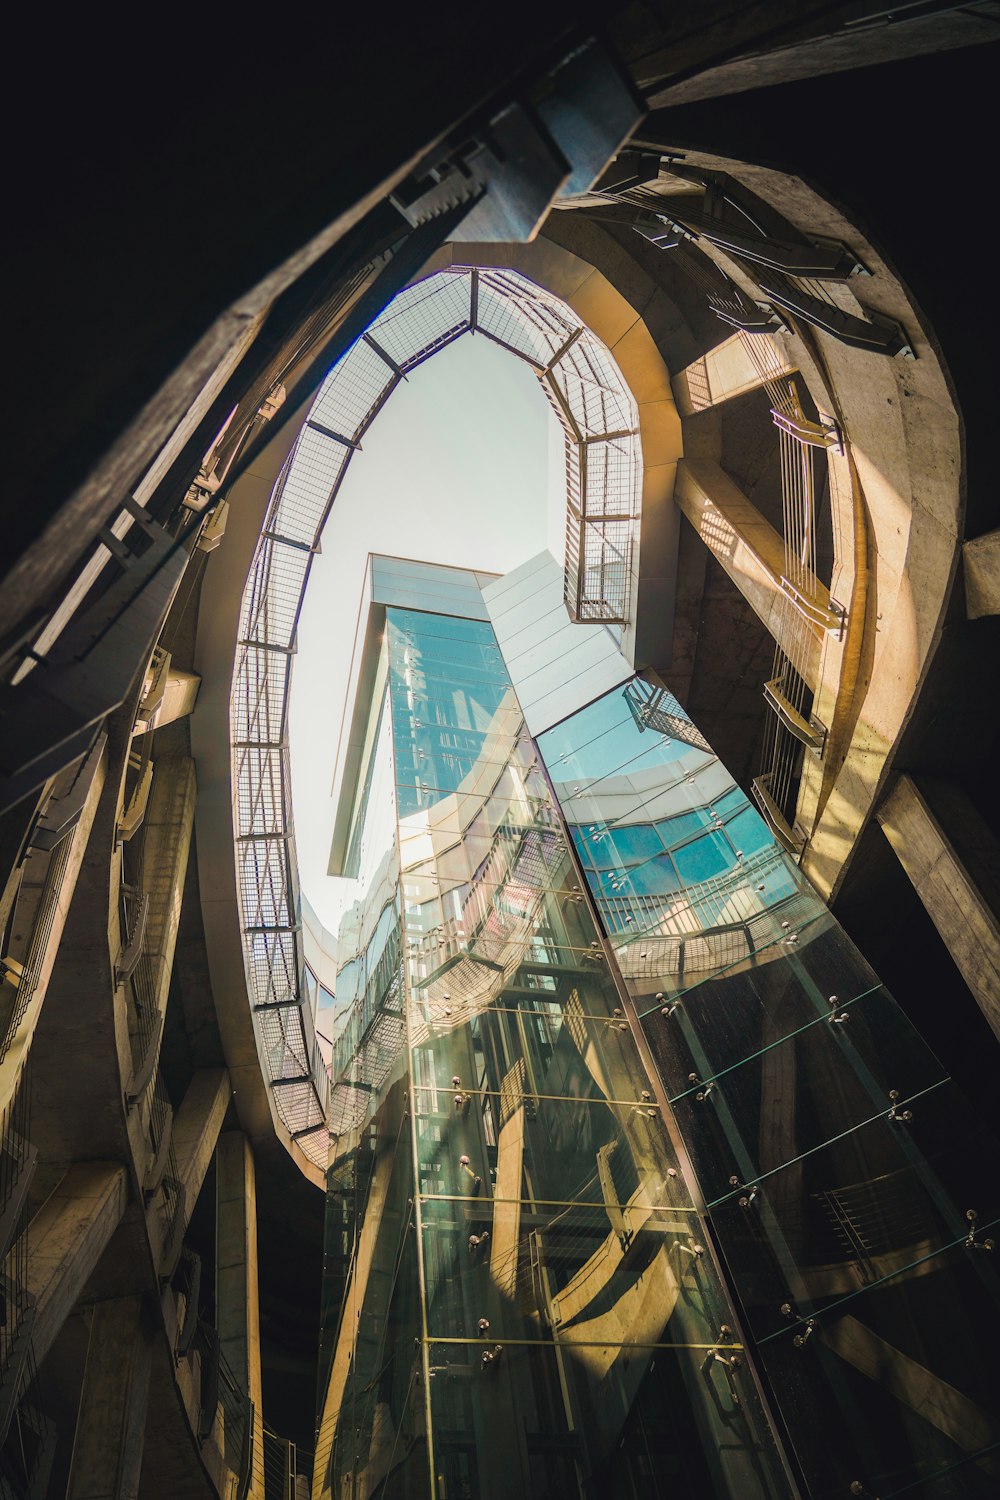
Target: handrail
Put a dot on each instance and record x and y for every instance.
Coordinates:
(773, 816)
(130, 955)
(832, 618)
(132, 816)
(807, 731)
(152, 698)
(812, 434)
(142, 1078)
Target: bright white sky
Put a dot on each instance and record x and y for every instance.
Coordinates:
(464, 465)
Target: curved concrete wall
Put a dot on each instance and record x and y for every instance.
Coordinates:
(898, 502)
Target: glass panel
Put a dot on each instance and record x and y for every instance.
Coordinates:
(558, 1147)
(864, 1402)
(447, 590)
(820, 1083)
(575, 1272)
(839, 1162)
(373, 1403)
(557, 1419)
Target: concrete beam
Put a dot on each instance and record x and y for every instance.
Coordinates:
(727, 371)
(166, 845)
(196, 1130)
(948, 856)
(46, 915)
(66, 1239)
(981, 561)
(915, 1386)
(236, 1288)
(111, 1421)
(753, 555)
(179, 696)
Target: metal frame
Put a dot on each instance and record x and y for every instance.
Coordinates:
(604, 471)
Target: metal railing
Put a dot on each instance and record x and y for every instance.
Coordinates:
(225, 1407)
(806, 610)
(17, 1308)
(34, 911)
(792, 270)
(287, 1468)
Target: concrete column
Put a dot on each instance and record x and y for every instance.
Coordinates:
(753, 555)
(953, 863)
(236, 1289)
(981, 560)
(726, 371)
(65, 1241)
(179, 695)
(111, 1422)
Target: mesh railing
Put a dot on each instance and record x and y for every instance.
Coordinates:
(657, 709)
(600, 422)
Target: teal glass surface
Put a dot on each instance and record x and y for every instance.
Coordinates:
(851, 1189)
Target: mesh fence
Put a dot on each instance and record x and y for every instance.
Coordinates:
(360, 384)
(424, 318)
(522, 319)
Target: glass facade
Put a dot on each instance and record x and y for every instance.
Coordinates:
(640, 1182)
(837, 1161)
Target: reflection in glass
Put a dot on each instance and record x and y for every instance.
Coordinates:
(536, 1272)
(519, 1276)
(837, 1160)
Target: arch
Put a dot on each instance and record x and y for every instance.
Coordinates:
(617, 440)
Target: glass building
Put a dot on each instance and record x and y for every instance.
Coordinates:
(638, 1175)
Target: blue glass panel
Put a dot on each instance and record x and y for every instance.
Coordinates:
(676, 830)
(627, 845)
(704, 858)
(749, 832)
(656, 877)
(730, 802)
